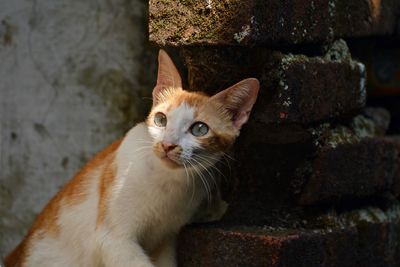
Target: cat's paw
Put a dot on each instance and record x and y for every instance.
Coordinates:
(221, 210)
(216, 212)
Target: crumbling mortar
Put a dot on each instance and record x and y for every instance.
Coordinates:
(332, 15)
(359, 128)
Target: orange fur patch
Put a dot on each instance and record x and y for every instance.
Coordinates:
(106, 182)
(73, 193)
(16, 257)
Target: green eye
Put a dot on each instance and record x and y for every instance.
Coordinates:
(160, 119)
(199, 129)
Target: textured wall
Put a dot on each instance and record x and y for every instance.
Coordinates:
(73, 74)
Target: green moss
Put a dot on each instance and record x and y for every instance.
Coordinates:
(364, 127)
(371, 215)
(356, 217)
(338, 51)
(196, 21)
(327, 135)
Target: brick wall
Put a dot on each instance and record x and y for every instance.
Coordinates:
(315, 179)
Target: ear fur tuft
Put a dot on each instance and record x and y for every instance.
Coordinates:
(239, 99)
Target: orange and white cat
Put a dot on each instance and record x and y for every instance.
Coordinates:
(127, 205)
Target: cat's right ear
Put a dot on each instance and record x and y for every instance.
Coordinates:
(238, 100)
(168, 77)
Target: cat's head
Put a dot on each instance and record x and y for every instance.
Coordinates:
(191, 128)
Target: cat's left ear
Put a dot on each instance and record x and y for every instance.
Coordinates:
(167, 77)
(239, 99)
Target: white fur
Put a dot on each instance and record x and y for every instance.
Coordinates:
(149, 204)
(177, 130)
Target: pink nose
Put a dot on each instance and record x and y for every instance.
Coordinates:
(168, 147)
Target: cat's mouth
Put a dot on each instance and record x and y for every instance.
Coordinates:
(171, 158)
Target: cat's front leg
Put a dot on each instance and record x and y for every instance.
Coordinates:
(211, 211)
(165, 254)
(123, 252)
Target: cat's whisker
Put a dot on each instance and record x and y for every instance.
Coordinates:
(193, 179)
(142, 148)
(187, 175)
(144, 141)
(228, 156)
(200, 162)
(193, 182)
(226, 162)
(205, 179)
(216, 158)
(214, 167)
(211, 165)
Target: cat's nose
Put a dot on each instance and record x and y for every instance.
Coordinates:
(168, 147)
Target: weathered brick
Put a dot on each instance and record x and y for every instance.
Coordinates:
(294, 88)
(351, 171)
(333, 164)
(369, 237)
(275, 22)
(395, 141)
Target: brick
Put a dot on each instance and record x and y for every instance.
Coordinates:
(351, 171)
(333, 164)
(395, 141)
(265, 178)
(275, 22)
(368, 237)
(294, 88)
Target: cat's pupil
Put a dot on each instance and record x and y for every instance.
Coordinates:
(160, 119)
(199, 129)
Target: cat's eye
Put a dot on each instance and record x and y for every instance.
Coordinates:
(199, 129)
(160, 119)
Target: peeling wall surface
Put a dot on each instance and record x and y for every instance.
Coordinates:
(74, 76)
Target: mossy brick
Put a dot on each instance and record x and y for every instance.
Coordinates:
(294, 88)
(367, 237)
(260, 22)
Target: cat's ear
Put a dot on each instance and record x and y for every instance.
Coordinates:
(167, 77)
(239, 99)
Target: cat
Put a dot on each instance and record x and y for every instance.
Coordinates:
(125, 207)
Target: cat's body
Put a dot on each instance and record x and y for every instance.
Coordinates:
(84, 230)
(126, 206)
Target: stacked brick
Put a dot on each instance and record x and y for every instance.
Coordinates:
(315, 181)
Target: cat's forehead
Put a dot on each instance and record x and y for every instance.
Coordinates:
(182, 113)
(183, 102)
(194, 100)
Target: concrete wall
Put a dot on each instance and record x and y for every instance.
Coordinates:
(74, 75)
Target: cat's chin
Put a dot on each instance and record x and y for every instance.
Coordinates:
(170, 163)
